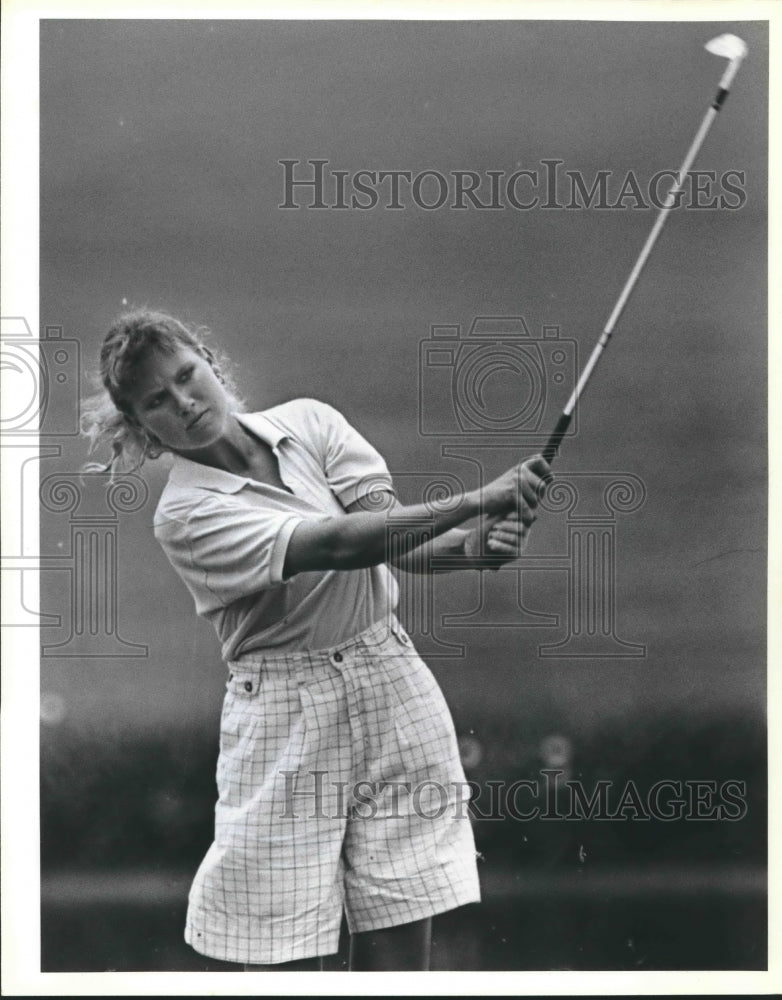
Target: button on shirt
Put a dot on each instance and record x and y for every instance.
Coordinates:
(227, 535)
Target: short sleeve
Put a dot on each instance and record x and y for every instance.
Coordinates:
(224, 549)
(352, 466)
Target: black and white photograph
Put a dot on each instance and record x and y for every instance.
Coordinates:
(385, 446)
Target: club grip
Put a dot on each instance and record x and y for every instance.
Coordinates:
(552, 446)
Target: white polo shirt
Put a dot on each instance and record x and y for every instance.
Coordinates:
(226, 535)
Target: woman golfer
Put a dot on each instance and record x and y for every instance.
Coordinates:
(339, 779)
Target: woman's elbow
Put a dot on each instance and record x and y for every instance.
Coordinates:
(329, 547)
(346, 555)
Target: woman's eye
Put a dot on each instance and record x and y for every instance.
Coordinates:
(186, 375)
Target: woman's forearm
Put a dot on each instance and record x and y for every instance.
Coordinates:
(368, 538)
(453, 549)
(460, 549)
(419, 560)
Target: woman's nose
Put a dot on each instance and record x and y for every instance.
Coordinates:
(182, 399)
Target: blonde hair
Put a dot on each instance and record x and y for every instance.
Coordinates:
(107, 417)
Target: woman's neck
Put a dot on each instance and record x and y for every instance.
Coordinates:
(233, 451)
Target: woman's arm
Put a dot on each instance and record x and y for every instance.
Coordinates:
(361, 539)
(487, 546)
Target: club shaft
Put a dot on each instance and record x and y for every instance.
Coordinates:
(554, 441)
(643, 257)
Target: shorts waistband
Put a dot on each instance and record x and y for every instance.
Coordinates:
(296, 661)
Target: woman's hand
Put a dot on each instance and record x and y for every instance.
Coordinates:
(517, 490)
(505, 534)
(508, 537)
(505, 537)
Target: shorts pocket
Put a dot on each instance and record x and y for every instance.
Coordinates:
(240, 730)
(237, 710)
(260, 735)
(424, 728)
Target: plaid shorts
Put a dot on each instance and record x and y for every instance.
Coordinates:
(340, 788)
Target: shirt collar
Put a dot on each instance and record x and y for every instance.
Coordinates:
(185, 472)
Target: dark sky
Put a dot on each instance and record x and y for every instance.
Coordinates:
(160, 185)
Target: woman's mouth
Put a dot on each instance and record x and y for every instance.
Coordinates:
(193, 423)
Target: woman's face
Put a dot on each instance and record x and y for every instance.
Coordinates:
(179, 399)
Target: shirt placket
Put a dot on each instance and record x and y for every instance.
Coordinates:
(298, 484)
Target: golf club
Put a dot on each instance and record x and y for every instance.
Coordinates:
(729, 47)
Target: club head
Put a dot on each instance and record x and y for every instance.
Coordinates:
(727, 46)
